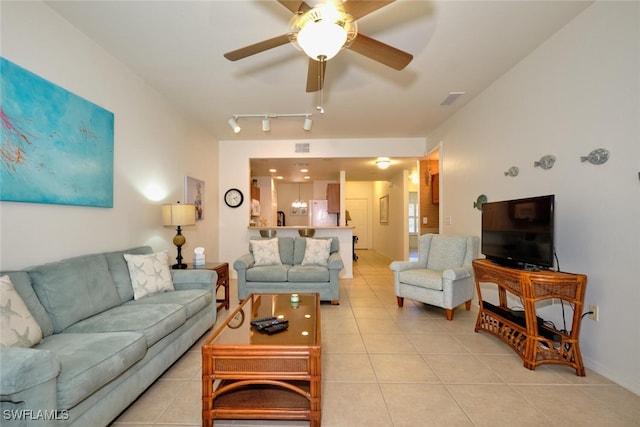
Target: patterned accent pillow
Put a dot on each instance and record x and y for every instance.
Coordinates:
(266, 252)
(317, 252)
(18, 328)
(150, 273)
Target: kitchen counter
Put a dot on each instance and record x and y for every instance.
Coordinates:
(344, 235)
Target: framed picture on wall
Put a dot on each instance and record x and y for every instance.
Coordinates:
(384, 209)
(194, 194)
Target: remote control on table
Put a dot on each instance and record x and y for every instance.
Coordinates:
(263, 319)
(276, 328)
(262, 325)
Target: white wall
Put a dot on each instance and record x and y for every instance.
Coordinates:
(154, 149)
(234, 172)
(578, 91)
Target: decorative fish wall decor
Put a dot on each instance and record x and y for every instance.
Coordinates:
(545, 162)
(596, 157)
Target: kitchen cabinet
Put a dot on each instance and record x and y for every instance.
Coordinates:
(255, 193)
(333, 198)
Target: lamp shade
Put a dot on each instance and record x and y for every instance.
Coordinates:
(178, 214)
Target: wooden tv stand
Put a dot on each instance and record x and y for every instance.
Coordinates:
(523, 331)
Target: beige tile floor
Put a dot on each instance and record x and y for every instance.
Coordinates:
(390, 366)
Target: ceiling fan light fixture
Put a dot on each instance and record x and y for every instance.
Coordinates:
(321, 40)
(323, 31)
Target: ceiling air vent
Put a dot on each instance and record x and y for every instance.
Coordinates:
(303, 147)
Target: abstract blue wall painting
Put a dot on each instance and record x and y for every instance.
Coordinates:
(55, 147)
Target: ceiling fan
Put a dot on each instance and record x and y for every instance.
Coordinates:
(322, 30)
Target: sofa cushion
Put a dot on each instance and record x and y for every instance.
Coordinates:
(308, 274)
(150, 273)
(316, 252)
(74, 289)
(430, 279)
(285, 247)
(18, 328)
(446, 252)
(301, 246)
(22, 282)
(89, 361)
(270, 273)
(266, 252)
(120, 270)
(155, 321)
(194, 300)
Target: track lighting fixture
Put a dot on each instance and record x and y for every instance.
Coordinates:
(266, 120)
(234, 124)
(307, 124)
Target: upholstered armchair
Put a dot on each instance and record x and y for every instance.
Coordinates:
(442, 276)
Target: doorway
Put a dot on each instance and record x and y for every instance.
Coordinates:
(359, 213)
(430, 192)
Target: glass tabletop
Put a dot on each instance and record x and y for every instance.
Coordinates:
(303, 317)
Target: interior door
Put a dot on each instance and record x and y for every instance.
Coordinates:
(358, 210)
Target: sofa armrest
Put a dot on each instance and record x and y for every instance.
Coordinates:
(194, 279)
(335, 262)
(244, 262)
(456, 273)
(405, 265)
(25, 368)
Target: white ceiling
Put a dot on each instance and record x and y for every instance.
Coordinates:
(458, 46)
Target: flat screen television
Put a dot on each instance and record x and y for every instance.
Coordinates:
(519, 233)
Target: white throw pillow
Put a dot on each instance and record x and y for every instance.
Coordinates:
(266, 252)
(18, 328)
(149, 274)
(316, 252)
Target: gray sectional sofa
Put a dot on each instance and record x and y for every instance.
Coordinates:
(101, 348)
(291, 274)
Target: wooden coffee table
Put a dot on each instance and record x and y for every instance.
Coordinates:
(248, 374)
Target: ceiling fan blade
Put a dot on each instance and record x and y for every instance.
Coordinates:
(295, 5)
(381, 52)
(360, 8)
(243, 52)
(315, 75)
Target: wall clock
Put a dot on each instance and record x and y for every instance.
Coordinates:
(233, 197)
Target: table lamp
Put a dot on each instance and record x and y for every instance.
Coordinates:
(178, 215)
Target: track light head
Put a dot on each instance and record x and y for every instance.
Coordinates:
(266, 124)
(234, 125)
(307, 123)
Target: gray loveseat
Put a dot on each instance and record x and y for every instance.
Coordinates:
(291, 276)
(101, 348)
